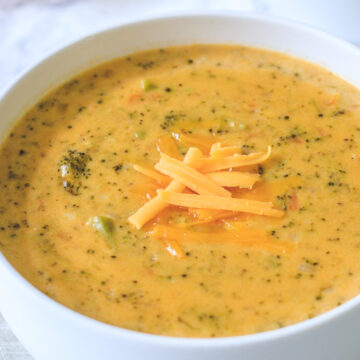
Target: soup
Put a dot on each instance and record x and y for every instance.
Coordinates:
(264, 233)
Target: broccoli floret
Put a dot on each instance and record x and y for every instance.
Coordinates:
(105, 225)
(73, 170)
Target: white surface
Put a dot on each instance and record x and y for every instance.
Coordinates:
(53, 332)
(31, 29)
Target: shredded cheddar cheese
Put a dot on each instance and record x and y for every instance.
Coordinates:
(202, 142)
(156, 204)
(214, 164)
(206, 216)
(189, 177)
(173, 237)
(217, 151)
(198, 184)
(161, 179)
(234, 178)
(220, 203)
(167, 145)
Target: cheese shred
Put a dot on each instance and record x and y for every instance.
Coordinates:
(199, 184)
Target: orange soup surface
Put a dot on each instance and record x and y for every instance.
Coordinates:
(68, 187)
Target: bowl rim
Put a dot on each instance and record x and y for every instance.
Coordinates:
(43, 300)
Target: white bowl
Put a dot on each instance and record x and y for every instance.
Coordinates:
(51, 331)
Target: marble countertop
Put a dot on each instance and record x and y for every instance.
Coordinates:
(31, 29)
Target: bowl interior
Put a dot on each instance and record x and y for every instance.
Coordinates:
(282, 36)
(251, 30)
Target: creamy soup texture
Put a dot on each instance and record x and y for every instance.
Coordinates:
(67, 188)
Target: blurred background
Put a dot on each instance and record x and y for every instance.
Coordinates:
(31, 29)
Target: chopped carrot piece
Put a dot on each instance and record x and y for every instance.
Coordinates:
(190, 177)
(321, 131)
(293, 205)
(332, 99)
(220, 203)
(135, 97)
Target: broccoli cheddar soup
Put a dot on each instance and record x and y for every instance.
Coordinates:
(196, 191)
